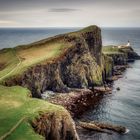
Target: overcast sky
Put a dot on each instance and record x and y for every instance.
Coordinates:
(69, 13)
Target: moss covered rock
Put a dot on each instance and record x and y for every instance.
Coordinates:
(79, 64)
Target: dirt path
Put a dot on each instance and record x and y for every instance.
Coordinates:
(12, 69)
(12, 129)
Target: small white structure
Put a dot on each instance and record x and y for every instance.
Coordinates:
(124, 46)
(119, 47)
(128, 44)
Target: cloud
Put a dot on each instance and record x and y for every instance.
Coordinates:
(69, 13)
(20, 12)
(7, 22)
(62, 10)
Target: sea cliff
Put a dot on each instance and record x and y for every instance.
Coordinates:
(80, 65)
(74, 66)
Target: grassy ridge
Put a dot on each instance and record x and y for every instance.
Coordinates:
(34, 53)
(29, 55)
(15, 104)
(111, 50)
(8, 61)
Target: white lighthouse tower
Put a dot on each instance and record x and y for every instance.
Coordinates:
(128, 44)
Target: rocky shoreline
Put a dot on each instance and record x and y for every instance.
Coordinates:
(80, 95)
(79, 100)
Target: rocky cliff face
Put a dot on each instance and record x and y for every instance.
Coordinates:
(107, 67)
(79, 66)
(54, 126)
(119, 58)
(130, 53)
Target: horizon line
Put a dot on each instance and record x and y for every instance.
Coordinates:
(71, 27)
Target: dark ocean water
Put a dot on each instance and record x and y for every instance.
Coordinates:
(120, 107)
(11, 37)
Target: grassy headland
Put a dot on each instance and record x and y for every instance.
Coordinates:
(82, 65)
(14, 61)
(16, 105)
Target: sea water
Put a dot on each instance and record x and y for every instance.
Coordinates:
(121, 107)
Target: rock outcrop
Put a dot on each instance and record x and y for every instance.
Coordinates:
(54, 126)
(79, 66)
(130, 53)
(78, 101)
(101, 127)
(121, 56)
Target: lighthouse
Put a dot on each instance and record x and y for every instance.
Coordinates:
(128, 44)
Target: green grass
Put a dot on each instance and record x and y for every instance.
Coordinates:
(34, 53)
(29, 55)
(111, 49)
(84, 30)
(9, 59)
(15, 104)
(24, 132)
(89, 28)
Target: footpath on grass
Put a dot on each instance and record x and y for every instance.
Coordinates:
(11, 70)
(12, 129)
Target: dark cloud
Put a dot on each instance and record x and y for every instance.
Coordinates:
(62, 10)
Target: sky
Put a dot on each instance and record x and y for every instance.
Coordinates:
(69, 13)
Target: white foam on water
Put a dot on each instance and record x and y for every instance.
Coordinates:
(47, 94)
(126, 131)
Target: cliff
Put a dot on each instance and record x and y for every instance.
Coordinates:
(19, 113)
(61, 64)
(79, 65)
(121, 56)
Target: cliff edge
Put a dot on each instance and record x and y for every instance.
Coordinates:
(62, 63)
(77, 64)
(59, 63)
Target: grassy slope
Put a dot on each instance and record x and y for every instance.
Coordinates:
(111, 50)
(14, 101)
(9, 60)
(34, 53)
(29, 55)
(15, 104)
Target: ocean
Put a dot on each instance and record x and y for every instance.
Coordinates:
(11, 37)
(121, 107)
